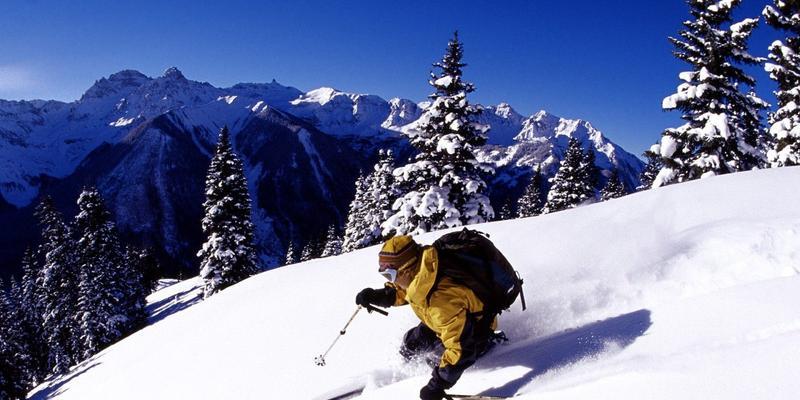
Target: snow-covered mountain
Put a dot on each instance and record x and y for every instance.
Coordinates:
(689, 292)
(145, 142)
(541, 140)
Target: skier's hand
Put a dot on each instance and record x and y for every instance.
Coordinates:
(380, 297)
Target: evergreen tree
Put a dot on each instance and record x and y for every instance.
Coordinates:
(590, 174)
(147, 264)
(15, 362)
(136, 288)
(333, 243)
(784, 132)
(228, 255)
(723, 130)
(506, 212)
(372, 205)
(103, 293)
(312, 249)
(31, 312)
(651, 169)
(58, 283)
(614, 188)
(532, 201)
(356, 228)
(443, 186)
(574, 183)
(291, 254)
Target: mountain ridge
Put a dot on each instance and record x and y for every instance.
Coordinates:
(49, 147)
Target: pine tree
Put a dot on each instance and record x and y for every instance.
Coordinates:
(506, 212)
(312, 249)
(651, 169)
(784, 132)
(147, 263)
(15, 362)
(333, 243)
(136, 263)
(291, 254)
(58, 283)
(614, 188)
(443, 186)
(31, 312)
(103, 294)
(575, 181)
(228, 255)
(532, 201)
(356, 228)
(723, 130)
(372, 205)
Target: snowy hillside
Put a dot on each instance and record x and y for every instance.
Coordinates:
(683, 292)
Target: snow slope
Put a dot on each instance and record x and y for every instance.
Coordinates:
(688, 291)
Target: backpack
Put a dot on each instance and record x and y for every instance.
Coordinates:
(469, 258)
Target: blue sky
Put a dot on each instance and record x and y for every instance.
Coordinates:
(608, 62)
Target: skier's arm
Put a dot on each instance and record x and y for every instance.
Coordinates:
(399, 294)
(456, 331)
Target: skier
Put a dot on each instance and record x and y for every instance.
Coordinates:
(452, 329)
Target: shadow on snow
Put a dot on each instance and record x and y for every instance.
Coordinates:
(164, 308)
(562, 349)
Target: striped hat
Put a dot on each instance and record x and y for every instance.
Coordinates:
(398, 252)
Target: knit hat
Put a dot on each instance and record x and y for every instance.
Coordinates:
(398, 252)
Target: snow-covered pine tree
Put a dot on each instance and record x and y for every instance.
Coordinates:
(443, 185)
(135, 263)
(506, 212)
(147, 264)
(784, 68)
(574, 183)
(356, 227)
(723, 130)
(14, 357)
(31, 315)
(291, 254)
(58, 283)
(228, 255)
(614, 188)
(532, 201)
(333, 243)
(312, 249)
(103, 293)
(651, 169)
(372, 205)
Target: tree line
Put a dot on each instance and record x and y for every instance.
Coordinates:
(81, 290)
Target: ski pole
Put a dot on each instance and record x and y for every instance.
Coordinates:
(320, 360)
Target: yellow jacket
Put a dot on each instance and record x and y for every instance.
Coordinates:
(450, 310)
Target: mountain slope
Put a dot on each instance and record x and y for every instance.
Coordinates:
(686, 291)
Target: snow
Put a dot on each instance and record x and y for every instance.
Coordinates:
(444, 81)
(317, 165)
(663, 294)
(122, 122)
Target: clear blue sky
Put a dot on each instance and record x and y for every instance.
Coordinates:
(605, 61)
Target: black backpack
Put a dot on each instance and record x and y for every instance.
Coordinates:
(469, 258)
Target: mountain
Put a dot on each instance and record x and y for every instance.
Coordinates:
(686, 291)
(145, 142)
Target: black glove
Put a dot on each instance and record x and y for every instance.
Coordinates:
(380, 297)
(434, 390)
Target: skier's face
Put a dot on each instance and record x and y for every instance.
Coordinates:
(388, 271)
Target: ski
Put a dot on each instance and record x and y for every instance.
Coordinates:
(473, 397)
